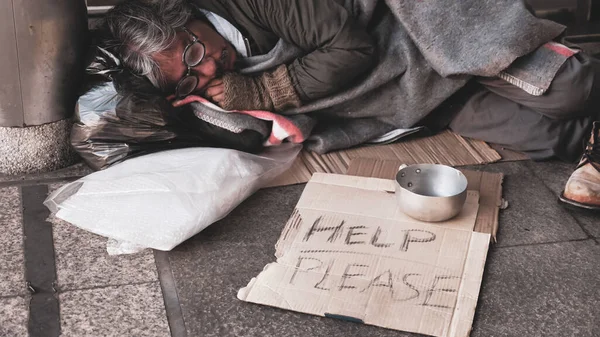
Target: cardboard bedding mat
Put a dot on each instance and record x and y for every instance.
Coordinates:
(508, 155)
(348, 252)
(444, 148)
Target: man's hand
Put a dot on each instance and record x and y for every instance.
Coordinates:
(215, 91)
(270, 91)
(241, 92)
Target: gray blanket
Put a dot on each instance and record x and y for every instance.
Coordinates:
(428, 50)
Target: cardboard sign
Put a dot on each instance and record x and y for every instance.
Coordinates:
(348, 252)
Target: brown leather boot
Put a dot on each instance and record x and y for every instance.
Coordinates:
(583, 187)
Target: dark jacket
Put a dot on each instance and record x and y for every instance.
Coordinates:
(337, 49)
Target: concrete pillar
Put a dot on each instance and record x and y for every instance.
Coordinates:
(41, 65)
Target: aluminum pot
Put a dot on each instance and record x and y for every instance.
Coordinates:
(430, 192)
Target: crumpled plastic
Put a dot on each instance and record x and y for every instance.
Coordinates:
(112, 125)
(162, 199)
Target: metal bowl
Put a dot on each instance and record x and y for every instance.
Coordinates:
(430, 192)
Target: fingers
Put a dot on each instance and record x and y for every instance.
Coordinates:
(215, 82)
(219, 98)
(215, 91)
(184, 101)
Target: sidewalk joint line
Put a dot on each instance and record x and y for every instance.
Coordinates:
(170, 295)
(40, 263)
(544, 243)
(61, 291)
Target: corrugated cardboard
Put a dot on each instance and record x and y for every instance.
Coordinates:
(489, 186)
(444, 148)
(508, 155)
(348, 252)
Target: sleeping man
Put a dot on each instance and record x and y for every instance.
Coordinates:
(348, 71)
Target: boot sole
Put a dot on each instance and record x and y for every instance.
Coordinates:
(570, 202)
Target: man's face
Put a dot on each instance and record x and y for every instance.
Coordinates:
(219, 56)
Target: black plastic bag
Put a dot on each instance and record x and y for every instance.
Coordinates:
(121, 115)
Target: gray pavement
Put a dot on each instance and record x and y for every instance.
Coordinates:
(542, 278)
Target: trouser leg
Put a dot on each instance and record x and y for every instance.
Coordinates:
(569, 94)
(496, 119)
(555, 124)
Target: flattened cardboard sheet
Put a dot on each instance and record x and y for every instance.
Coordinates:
(489, 186)
(444, 148)
(509, 155)
(348, 252)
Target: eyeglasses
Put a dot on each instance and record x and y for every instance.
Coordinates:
(193, 54)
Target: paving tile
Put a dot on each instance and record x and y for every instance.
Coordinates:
(130, 310)
(261, 217)
(220, 257)
(211, 267)
(555, 175)
(533, 215)
(82, 261)
(77, 170)
(543, 290)
(215, 311)
(78, 250)
(14, 315)
(12, 260)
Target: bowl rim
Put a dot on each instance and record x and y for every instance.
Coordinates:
(462, 176)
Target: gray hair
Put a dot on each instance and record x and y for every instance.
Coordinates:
(140, 28)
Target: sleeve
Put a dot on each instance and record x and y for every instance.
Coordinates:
(338, 49)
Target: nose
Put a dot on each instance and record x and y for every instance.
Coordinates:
(206, 71)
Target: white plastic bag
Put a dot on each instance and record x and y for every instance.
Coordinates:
(162, 199)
